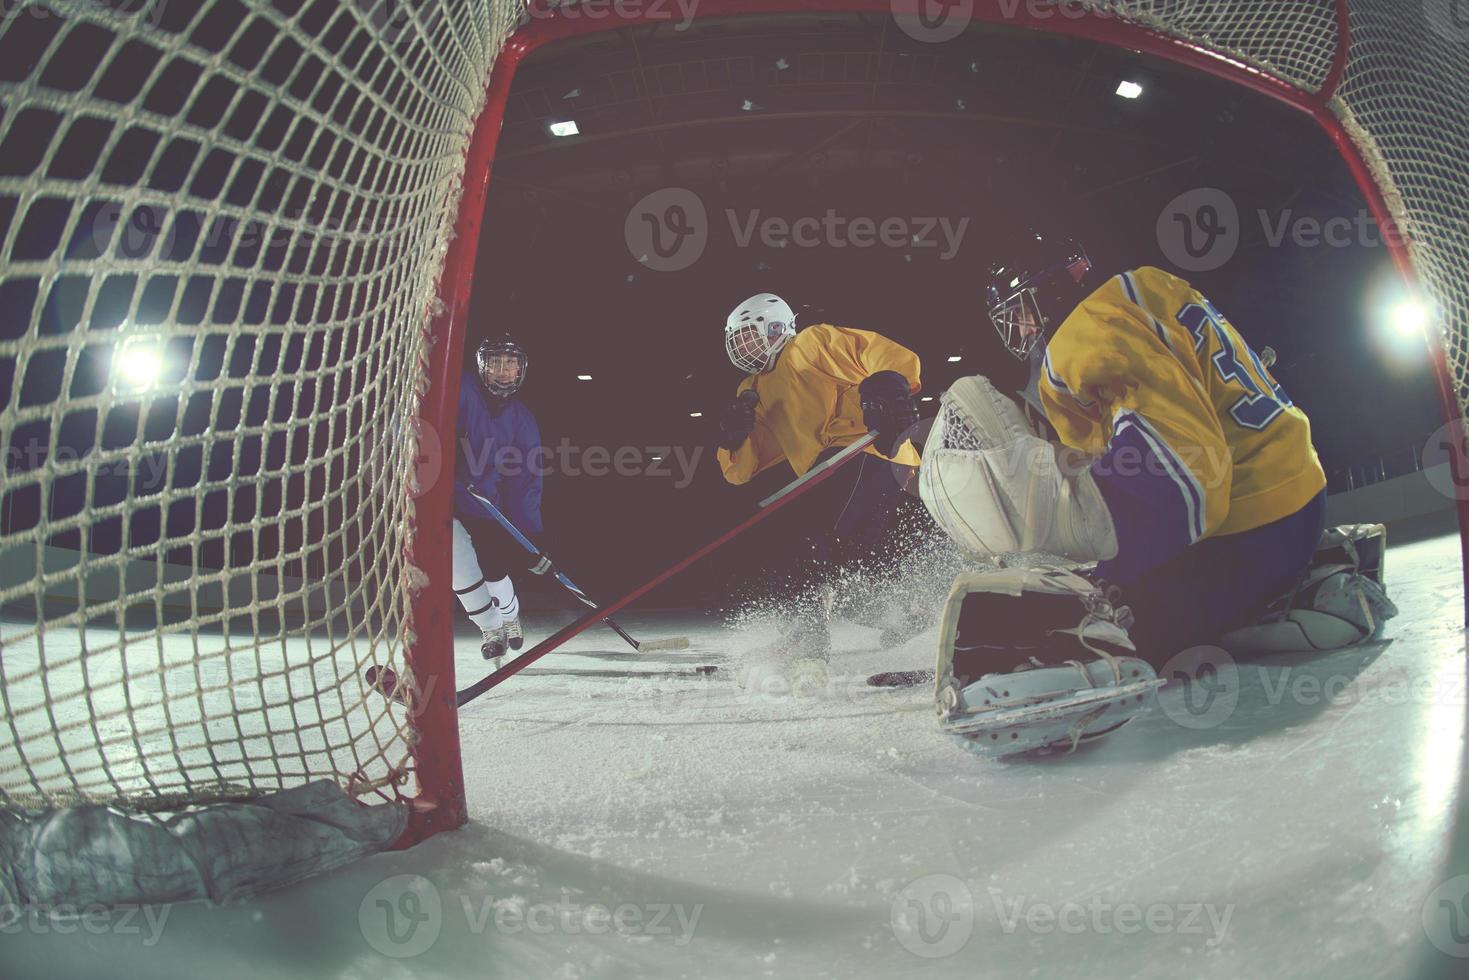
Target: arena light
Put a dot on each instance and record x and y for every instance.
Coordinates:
(583, 377)
(1401, 319)
(955, 358)
(138, 365)
(696, 415)
(567, 128)
(1409, 318)
(1129, 90)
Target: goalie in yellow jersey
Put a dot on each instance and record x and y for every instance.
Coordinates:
(1183, 469)
(805, 397)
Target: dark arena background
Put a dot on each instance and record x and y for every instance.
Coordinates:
(248, 250)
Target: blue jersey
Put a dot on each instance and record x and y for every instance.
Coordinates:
(497, 450)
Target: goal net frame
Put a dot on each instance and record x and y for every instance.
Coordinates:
(465, 59)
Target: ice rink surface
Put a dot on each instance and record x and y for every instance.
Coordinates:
(1288, 818)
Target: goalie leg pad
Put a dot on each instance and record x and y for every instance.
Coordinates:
(996, 487)
(1341, 601)
(1034, 658)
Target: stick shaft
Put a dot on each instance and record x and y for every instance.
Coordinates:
(528, 545)
(768, 507)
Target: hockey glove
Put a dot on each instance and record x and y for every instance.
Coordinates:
(738, 421)
(887, 408)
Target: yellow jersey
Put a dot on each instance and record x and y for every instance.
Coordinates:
(1148, 354)
(809, 400)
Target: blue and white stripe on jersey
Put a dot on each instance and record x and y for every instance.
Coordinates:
(1176, 482)
(1130, 287)
(1059, 385)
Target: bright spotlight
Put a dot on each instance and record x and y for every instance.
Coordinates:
(1129, 90)
(138, 365)
(1410, 318)
(567, 128)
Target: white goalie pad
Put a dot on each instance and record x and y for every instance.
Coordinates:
(1051, 706)
(1062, 671)
(1340, 602)
(996, 487)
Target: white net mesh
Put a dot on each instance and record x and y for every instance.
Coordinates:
(222, 227)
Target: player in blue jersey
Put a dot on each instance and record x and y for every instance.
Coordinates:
(498, 456)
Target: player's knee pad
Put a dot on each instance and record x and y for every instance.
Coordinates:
(997, 487)
(1030, 658)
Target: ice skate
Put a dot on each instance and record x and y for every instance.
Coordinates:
(513, 636)
(493, 644)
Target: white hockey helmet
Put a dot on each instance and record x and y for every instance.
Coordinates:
(757, 331)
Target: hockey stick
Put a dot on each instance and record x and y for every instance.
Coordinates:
(652, 646)
(900, 678)
(384, 680)
(767, 507)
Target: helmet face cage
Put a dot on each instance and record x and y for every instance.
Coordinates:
(1038, 294)
(1012, 315)
(752, 345)
(491, 359)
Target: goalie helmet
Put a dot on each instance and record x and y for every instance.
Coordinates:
(502, 366)
(757, 331)
(1036, 287)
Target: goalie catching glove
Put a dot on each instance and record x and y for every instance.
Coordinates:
(1037, 657)
(996, 487)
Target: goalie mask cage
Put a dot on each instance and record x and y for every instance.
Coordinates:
(237, 242)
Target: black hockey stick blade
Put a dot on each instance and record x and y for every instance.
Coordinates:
(385, 681)
(901, 678)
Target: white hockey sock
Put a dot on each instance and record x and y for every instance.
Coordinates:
(503, 594)
(474, 593)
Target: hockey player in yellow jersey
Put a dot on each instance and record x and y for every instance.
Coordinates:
(1183, 469)
(806, 395)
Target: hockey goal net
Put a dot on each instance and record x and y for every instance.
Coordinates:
(237, 236)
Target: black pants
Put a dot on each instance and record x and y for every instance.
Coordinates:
(499, 554)
(853, 518)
